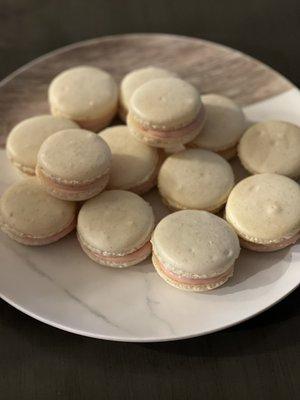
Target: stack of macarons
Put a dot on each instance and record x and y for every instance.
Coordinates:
(81, 172)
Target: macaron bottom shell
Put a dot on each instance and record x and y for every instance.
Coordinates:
(200, 285)
(90, 124)
(72, 192)
(173, 206)
(161, 138)
(227, 153)
(37, 241)
(23, 170)
(123, 261)
(269, 247)
(145, 186)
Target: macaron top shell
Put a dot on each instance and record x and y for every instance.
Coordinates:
(83, 92)
(265, 208)
(115, 222)
(224, 124)
(74, 155)
(26, 138)
(196, 179)
(28, 209)
(195, 244)
(165, 104)
(271, 146)
(132, 161)
(138, 77)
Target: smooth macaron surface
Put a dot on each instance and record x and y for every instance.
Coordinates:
(26, 138)
(271, 147)
(165, 104)
(265, 208)
(74, 156)
(26, 209)
(133, 163)
(196, 179)
(115, 222)
(195, 244)
(83, 92)
(138, 77)
(224, 123)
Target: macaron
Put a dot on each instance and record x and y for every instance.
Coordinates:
(264, 210)
(86, 95)
(271, 147)
(195, 179)
(165, 112)
(135, 79)
(114, 228)
(26, 138)
(134, 165)
(194, 250)
(74, 164)
(224, 126)
(29, 215)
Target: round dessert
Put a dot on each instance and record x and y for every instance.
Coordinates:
(114, 228)
(29, 215)
(224, 126)
(74, 164)
(264, 210)
(86, 95)
(134, 164)
(26, 138)
(165, 112)
(194, 250)
(271, 147)
(135, 79)
(195, 179)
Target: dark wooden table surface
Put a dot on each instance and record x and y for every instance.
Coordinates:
(259, 359)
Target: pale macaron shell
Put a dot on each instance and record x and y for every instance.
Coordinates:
(115, 223)
(26, 138)
(195, 179)
(195, 244)
(74, 156)
(224, 124)
(265, 208)
(165, 104)
(29, 214)
(271, 147)
(85, 94)
(133, 162)
(134, 80)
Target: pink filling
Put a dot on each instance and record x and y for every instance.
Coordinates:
(137, 255)
(192, 281)
(176, 133)
(269, 247)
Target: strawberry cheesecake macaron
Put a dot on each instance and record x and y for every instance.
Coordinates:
(29, 215)
(264, 210)
(165, 112)
(134, 164)
(114, 228)
(86, 95)
(224, 126)
(135, 79)
(74, 164)
(26, 138)
(195, 179)
(194, 250)
(271, 147)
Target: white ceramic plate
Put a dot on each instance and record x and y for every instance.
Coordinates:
(59, 285)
